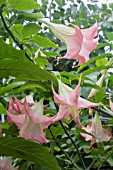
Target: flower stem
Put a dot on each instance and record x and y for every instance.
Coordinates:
(78, 152)
(105, 160)
(94, 161)
(74, 164)
(10, 33)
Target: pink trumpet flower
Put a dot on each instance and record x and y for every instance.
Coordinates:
(80, 43)
(111, 105)
(99, 83)
(6, 164)
(96, 129)
(70, 102)
(29, 118)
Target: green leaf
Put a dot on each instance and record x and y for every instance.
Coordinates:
(41, 61)
(43, 41)
(2, 109)
(27, 150)
(23, 4)
(2, 2)
(91, 70)
(31, 16)
(101, 62)
(32, 85)
(30, 29)
(14, 63)
(103, 45)
(108, 55)
(50, 54)
(109, 36)
(8, 88)
(59, 2)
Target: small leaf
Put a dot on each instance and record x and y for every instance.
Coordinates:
(30, 29)
(101, 62)
(43, 41)
(31, 16)
(59, 2)
(109, 36)
(91, 70)
(108, 55)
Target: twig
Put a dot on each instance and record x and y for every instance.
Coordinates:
(78, 152)
(10, 33)
(63, 150)
(104, 111)
(105, 160)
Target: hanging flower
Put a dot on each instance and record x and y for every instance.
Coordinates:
(111, 105)
(99, 83)
(6, 164)
(70, 102)
(80, 43)
(29, 118)
(96, 129)
(41, 53)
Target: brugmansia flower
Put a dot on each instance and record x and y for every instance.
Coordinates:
(111, 105)
(29, 118)
(80, 43)
(41, 53)
(96, 129)
(6, 164)
(70, 102)
(99, 83)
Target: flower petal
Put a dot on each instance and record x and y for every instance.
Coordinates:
(83, 103)
(33, 131)
(63, 113)
(111, 105)
(35, 113)
(6, 164)
(99, 83)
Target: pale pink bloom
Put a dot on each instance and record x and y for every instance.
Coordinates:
(70, 102)
(80, 43)
(99, 83)
(96, 129)
(111, 105)
(41, 53)
(6, 164)
(29, 119)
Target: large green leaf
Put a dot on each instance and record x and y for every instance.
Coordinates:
(23, 4)
(2, 2)
(13, 62)
(43, 41)
(27, 150)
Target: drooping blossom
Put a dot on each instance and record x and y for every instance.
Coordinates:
(80, 43)
(99, 83)
(111, 105)
(95, 128)
(29, 118)
(6, 164)
(70, 102)
(41, 53)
